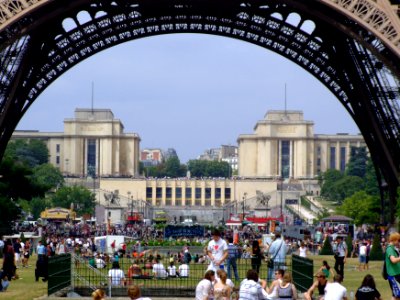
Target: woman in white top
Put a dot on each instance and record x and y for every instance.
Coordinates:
(302, 250)
(116, 275)
(203, 288)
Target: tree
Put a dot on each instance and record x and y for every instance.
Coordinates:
(9, 212)
(47, 177)
(16, 181)
(327, 180)
(81, 197)
(206, 168)
(371, 181)
(32, 152)
(173, 168)
(357, 165)
(363, 208)
(37, 205)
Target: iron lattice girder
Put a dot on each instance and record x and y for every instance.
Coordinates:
(46, 50)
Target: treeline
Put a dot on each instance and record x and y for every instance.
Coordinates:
(172, 168)
(356, 190)
(29, 184)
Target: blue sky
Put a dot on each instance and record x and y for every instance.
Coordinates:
(190, 92)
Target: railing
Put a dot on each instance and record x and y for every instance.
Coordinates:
(302, 272)
(83, 277)
(59, 273)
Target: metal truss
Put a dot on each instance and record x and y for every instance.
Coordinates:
(356, 64)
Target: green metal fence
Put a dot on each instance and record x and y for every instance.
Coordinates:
(59, 272)
(76, 273)
(302, 272)
(87, 278)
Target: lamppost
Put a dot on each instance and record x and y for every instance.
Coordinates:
(282, 198)
(243, 203)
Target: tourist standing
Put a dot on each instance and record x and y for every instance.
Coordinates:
(256, 256)
(233, 255)
(392, 260)
(217, 251)
(277, 253)
(340, 251)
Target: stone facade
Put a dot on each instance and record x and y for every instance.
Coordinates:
(93, 143)
(284, 145)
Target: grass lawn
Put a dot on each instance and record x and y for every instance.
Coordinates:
(354, 277)
(25, 288)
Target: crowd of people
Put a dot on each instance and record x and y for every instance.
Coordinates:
(221, 254)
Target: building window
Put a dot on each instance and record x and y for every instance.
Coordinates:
(208, 193)
(188, 192)
(197, 202)
(168, 202)
(285, 158)
(168, 193)
(158, 193)
(218, 193)
(91, 157)
(218, 203)
(58, 148)
(227, 194)
(332, 158)
(178, 202)
(57, 160)
(318, 151)
(342, 159)
(198, 193)
(178, 193)
(207, 203)
(318, 162)
(149, 193)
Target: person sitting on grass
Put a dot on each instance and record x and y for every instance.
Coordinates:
(172, 270)
(184, 270)
(368, 290)
(318, 285)
(159, 270)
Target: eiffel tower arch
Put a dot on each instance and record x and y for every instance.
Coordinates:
(351, 46)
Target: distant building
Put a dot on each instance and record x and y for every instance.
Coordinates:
(210, 154)
(284, 145)
(93, 144)
(227, 153)
(151, 157)
(169, 153)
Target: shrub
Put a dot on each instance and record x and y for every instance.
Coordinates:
(349, 244)
(326, 248)
(376, 250)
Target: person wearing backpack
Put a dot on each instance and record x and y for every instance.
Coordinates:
(392, 261)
